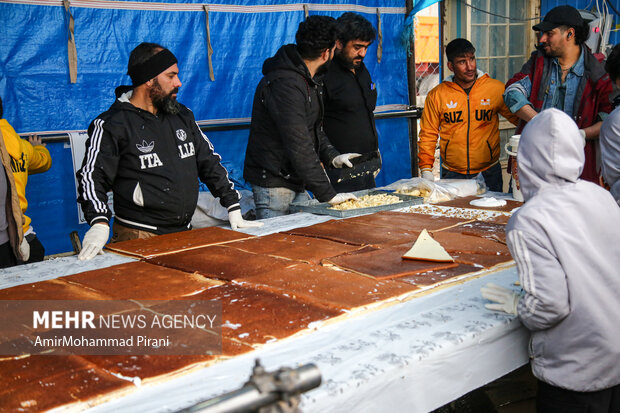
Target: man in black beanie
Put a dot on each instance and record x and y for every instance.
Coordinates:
(148, 149)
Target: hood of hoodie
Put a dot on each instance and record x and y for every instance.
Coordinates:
(123, 94)
(550, 152)
(286, 58)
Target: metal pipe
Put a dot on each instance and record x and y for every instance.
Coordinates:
(280, 385)
(55, 136)
(412, 94)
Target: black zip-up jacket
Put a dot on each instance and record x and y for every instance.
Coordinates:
(350, 99)
(151, 163)
(287, 143)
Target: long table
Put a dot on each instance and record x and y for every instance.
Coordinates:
(414, 355)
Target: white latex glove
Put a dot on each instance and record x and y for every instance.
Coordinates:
(504, 299)
(24, 250)
(341, 197)
(94, 240)
(236, 221)
(428, 174)
(583, 136)
(343, 160)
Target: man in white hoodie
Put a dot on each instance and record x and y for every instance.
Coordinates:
(565, 240)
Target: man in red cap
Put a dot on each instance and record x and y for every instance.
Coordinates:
(564, 74)
(148, 149)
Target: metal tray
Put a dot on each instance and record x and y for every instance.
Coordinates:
(362, 165)
(323, 208)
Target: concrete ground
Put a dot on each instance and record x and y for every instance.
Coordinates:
(513, 393)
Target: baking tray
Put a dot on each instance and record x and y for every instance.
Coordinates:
(363, 165)
(323, 208)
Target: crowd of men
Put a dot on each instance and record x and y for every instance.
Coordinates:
(311, 114)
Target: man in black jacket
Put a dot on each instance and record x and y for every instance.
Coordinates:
(148, 149)
(287, 143)
(350, 97)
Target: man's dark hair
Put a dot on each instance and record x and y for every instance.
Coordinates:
(1, 112)
(581, 32)
(314, 35)
(352, 26)
(142, 53)
(459, 48)
(612, 65)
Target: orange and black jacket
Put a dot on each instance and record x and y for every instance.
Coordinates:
(466, 124)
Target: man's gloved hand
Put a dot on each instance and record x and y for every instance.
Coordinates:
(24, 250)
(583, 136)
(236, 221)
(504, 299)
(341, 197)
(94, 240)
(428, 174)
(343, 160)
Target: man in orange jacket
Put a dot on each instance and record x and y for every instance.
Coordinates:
(463, 112)
(27, 158)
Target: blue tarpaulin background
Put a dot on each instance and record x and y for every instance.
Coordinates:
(38, 96)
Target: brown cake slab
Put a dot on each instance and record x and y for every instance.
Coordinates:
(465, 203)
(39, 383)
(481, 260)
(178, 241)
(326, 286)
(455, 242)
(499, 219)
(51, 290)
(437, 276)
(484, 229)
(141, 280)
(385, 263)
(294, 247)
(145, 367)
(254, 316)
(351, 232)
(221, 262)
(407, 220)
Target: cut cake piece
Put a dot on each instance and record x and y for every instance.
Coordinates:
(426, 248)
(351, 232)
(384, 263)
(255, 317)
(330, 287)
(293, 247)
(178, 241)
(141, 281)
(221, 262)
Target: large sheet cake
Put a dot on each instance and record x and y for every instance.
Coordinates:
(271, 288)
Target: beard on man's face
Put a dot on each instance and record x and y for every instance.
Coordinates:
(164, 102)
(348, 62)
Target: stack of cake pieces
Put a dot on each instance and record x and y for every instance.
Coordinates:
(271, 288)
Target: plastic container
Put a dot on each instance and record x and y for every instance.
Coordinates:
(511, 149)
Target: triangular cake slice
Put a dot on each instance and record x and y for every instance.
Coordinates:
(427, 249)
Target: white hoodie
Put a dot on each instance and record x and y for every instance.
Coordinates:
(565, 240)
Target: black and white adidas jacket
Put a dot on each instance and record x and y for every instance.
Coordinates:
(151, 163)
